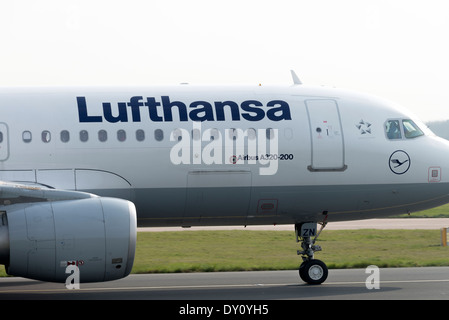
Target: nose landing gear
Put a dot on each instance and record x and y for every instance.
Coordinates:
(311, 271)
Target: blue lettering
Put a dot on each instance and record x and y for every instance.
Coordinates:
(122, 114)
(158, 111)
(283, 109)
(135, 105)
(167, 106)
(82, 112)
(201, 114)
(152, 105)
(219, 109)
(252, 106)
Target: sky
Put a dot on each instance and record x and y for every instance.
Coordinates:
(395, 49)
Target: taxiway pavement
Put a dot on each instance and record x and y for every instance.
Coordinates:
(345, 284)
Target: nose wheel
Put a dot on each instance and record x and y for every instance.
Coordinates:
(311, 271)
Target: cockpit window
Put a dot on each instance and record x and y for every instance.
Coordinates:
(408, 130)
(393, 129)
(411, 130)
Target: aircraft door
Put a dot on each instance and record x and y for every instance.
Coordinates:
(326, 135)
(4, 142)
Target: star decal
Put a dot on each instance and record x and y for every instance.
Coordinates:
(364, 127)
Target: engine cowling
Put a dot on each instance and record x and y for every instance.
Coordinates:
(39, 240)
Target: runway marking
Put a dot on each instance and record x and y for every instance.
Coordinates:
(301, 285)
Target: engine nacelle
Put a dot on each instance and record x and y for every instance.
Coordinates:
(39, 240)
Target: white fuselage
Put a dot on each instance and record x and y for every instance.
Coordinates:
(188, 155)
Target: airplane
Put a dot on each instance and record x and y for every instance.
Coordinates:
(82, 167)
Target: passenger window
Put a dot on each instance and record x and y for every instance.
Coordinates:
(26, 136)
(233, 134)
(84, 135)
(65, 136)
(140, 135)
(411, 130)
(393, 129)
(214, 134)
(102, 135)
(46, 137)
(121, 135)
(158, 134)
(177, 135)
(269, 132)
(1, 137)
(196, 134)
(251, 134)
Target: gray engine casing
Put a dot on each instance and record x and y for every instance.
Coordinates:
(96, 234)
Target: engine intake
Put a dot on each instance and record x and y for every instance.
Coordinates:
(39, 240)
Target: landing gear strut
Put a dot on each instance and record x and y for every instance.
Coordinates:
(311, 271)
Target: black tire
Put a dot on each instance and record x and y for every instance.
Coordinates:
(313, 271)
(301, 271)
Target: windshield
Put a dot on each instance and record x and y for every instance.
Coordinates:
(408, 130)
(411, 130)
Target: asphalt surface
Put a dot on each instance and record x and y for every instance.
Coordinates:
(350, 284)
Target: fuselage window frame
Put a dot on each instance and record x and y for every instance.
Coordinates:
(269, 133)
(251, 133)
(84, 135)
(140, 135)
(46, 136)
(27, 136)
(158, 134)
(121, 135)
(65, 136)
(177, 135)
(102, 135)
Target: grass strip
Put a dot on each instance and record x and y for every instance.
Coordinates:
(247, 250)
(438, 212)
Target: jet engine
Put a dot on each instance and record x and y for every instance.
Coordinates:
(40, 240)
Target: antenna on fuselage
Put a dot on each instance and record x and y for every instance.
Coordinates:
(296, 80)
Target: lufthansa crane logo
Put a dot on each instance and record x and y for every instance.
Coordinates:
(399, 162)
